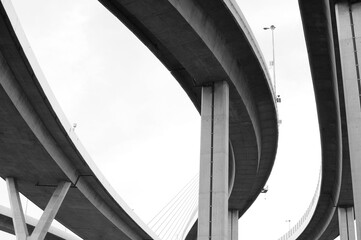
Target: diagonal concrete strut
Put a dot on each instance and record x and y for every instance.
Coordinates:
(52, 208)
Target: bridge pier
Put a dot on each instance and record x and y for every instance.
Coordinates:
(213, 176)
(348, 17)
(42, 228)
(346, 223)
(21, 231)
(233, 225)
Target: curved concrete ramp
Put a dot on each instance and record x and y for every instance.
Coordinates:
(319, 23)
(39, 151)
(201, 42)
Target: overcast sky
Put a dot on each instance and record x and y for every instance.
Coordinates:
(140, 127)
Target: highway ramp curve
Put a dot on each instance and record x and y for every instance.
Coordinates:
(39, 150)
(319, 21)
(201, 42)
(198, 42)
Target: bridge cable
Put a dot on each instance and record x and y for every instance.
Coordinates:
(173, 214)
(183, 209)
(168, 224)
(152, 222)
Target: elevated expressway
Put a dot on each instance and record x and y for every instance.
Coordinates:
(335, 192)
(39, 150)
(199, 42)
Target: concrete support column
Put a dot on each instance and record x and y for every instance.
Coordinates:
(42, 228)
(21, 231)
(346, 223)
(50, 211)
(348, 18)
(233, 225)
(213, 177)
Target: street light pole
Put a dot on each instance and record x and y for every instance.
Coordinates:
(272, 28)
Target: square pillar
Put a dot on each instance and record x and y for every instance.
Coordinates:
(348, 17)
(233, 224)
(213, 177)
(346, 223)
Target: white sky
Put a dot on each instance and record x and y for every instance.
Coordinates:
(140, 127)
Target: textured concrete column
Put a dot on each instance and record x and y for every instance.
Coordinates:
(349, 32)
(233, 225)
(346, 223)
(213, 177)
(42, 228)
(50, 211)
(21, 231)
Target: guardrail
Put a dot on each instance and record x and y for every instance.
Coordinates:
(296, 230)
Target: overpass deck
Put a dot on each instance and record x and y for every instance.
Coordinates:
(203, 42)
(319, 23)
(39, 150)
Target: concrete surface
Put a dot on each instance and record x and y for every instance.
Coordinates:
(38, 150)
(346, 223)
(6, 225)
(213, 170)
(233, 225)
(197, 48)
(187, 36)
(349, 34)
(319, 23)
